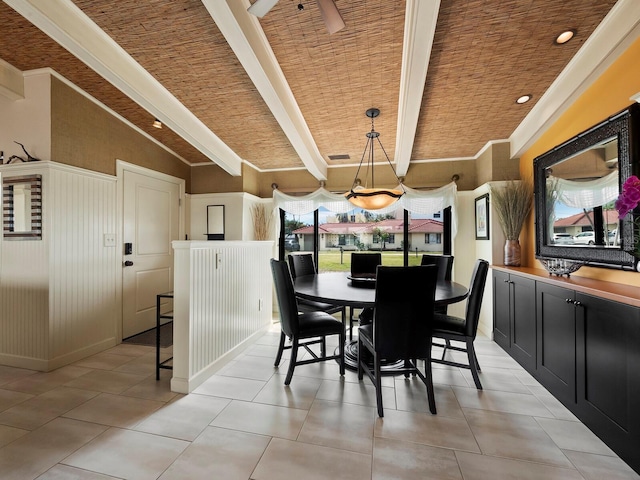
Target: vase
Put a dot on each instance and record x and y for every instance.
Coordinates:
(512, 253)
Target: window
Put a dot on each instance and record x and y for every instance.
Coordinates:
(432, 238)
(436, 215)
(391, 238)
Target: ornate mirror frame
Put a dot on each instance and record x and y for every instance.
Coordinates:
(625, 126)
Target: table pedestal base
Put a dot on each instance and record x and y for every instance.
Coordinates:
(351, 359)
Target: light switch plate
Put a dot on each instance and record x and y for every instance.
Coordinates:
(109, 239)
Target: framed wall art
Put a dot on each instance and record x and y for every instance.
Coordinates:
(482, 217)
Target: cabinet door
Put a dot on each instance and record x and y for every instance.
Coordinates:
(523, 321)
(608, 377)
(501, 310)
(556, 324)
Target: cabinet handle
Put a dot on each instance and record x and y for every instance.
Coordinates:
(577, 304)
(505, 281)
(568, 300)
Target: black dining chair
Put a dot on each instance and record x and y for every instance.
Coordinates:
(444, 263)
(363, 265)
(445, 266)
(301, 264)
(464, 330)
(302, 329)
(401, 327)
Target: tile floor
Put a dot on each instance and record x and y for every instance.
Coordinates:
(106, 417)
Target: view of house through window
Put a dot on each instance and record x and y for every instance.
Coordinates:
(340, 235)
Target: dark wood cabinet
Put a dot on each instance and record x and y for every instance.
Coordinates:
(514, 317)
(556, 349)
(501, 310)
(583, 348)
(608, 373)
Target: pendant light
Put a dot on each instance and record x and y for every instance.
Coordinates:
(372, 198)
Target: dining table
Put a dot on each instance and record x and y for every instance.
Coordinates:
(340, 288)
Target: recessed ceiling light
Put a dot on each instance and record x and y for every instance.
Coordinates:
(564, 37)
(523, 99)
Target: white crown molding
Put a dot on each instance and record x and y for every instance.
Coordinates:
(419, 29)
(249, 43)
(619, 29)
(65, 23)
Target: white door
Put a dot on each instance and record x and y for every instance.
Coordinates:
(151, 211)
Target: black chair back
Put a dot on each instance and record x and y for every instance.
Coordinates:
(365, 263)
(301, 264)
(444, 263)
(474, 301)
(403, 311)
(285, 293)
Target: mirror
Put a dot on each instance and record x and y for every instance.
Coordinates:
(576, 185)
(22, 207)
(215, 222)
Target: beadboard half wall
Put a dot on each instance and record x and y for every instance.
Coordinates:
(59, 295)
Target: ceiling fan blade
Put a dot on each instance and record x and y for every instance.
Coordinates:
(330, 15)
(261, 7)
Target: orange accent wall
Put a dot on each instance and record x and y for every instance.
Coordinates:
(609, 94)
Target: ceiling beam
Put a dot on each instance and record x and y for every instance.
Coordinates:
(419, 29)
(249, 43)
(65, 23)
(619, 29)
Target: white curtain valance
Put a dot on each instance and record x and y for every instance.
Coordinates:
(587, 194)
(415, 201)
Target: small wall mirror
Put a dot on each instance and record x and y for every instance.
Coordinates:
(215, 222)
(576, 185)
(22, 207)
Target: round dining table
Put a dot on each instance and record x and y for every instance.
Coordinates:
(340, 288)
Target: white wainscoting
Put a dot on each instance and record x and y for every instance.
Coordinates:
(58, 295)
(222, 299)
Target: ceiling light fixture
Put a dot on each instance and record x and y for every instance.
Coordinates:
(564, 37)
(524, 99)
(372, 198)
(330, 13)
(157, 123)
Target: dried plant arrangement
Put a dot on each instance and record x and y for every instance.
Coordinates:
(261, 222)
(512, 204)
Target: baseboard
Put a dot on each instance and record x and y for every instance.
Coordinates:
(81, 353)
(184, 385)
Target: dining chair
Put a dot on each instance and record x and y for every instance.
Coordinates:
(363, 264)
(444, 263)
(401, 327)
(445, 266)
(301, 264)
(464, 330)
(302, 329)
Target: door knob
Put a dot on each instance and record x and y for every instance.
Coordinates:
(128, 263)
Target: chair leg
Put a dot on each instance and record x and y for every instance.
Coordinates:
(323, 347)
(360, 369)
(342, 342)
(292, 361)
(476, 358)
(350, 324)
(378, 378)
(430, 392)
(473, 363)
(280, 349)
(447, 344)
